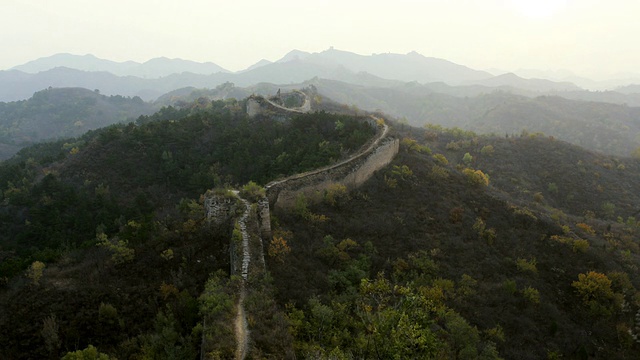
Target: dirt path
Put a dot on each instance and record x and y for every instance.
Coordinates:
(241, 326)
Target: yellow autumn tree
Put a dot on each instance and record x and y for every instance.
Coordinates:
(595, 290)
(35, 272)
(476, 177)
(278, 249)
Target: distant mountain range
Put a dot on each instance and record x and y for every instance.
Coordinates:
(152, 69)
(159, 76)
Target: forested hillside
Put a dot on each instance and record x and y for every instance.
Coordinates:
(61, 113)
(464, 247)
(468, 247)
(599, 126)
(585, 119)
(102, 237)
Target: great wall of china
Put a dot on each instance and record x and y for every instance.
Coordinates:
(282, 194)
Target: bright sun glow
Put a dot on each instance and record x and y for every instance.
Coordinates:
(539, 9)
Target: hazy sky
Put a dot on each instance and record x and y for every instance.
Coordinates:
(591, 37)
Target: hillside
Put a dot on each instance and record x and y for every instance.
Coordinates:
(464, 247)
(61, 113)
(119, 216)
(598, 126)
(507, 257)
(536, 85)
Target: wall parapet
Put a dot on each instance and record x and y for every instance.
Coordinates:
(351, 173)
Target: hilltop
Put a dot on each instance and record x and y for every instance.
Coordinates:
(62, 113)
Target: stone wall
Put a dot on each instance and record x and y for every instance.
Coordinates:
(254, 106)
(352, 173)
(219, 209)
(264, 219)
(258, 105)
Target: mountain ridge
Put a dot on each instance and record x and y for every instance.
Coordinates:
(153, 68)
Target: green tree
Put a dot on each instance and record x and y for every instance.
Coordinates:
(487, 150)
(441, 159)
(120, 251)
(608, 209)
(90, 353)
(467, 159)
(531, 294)
(527, 265)
(167, 341)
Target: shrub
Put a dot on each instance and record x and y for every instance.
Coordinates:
(608, 209)
(467, 159)
(490, 236)
(89, 353)
(119, 249)
(403, 171)
(167, 254)
(441, 159)
(586, 228)
(496, 333)
(476, 177)
(439, 172)
(510, 286)
(487, 150)
(390, 182)
(527, 265)
(453, 146)
(537, 197)
(335, 194)
(531, 294)
(252, 192)
(562, 239)
(35, 272)
(479, 226)
(412, 145)
(467, 286)
(580, 245)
